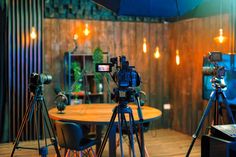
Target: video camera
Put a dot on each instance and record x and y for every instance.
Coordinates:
(125, 77)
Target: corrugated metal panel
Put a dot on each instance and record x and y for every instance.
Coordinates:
(24, 57)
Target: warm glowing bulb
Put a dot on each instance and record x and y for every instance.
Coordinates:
(177, 57)
(157, 53)
(86, 31)
(76, 36)
(33, 33)
(221, 37)
(144, 45)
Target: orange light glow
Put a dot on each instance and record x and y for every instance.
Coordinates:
(75, 37)
(221, 38)
(144, 45)
(33, 33)
(157, 53)
(177, 57)
(86, 30)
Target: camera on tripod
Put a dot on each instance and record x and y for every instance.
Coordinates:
(125, 76)
(216, 71)
(37, 80)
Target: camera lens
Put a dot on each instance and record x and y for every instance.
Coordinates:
(45, 79)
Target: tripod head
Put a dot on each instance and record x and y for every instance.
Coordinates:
(217, 72)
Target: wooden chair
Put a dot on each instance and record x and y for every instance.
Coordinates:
(71, 137)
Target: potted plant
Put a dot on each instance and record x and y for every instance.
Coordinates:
(98, 58)
(77, 85)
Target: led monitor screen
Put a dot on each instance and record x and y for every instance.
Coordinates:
(229, 62)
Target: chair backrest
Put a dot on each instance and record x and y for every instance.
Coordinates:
(69, 134)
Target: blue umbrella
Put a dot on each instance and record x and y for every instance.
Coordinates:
(150, 8)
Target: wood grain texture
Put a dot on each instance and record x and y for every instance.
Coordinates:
(117, 38)
(194, 39)
(100, 113)
(159, 143)
(162, 80)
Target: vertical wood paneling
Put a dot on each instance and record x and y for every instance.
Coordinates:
(163, 81)
(117, 38)
(195, 40)
(24, 56)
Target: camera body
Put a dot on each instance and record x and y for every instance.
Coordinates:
(37, 80)
(216, 71)
(125, 76)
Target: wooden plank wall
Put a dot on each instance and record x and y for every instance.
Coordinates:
(194, 39)
(118, 38)
(163, 81)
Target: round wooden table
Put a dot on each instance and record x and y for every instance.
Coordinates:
(100, 114)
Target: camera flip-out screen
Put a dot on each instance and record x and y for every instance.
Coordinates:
(104, 67)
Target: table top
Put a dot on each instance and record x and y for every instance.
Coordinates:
(99, 113)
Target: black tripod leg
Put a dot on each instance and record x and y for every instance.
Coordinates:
(25, 119)
(127, 130)
(206, 111)
(100, 151)
(120, 122)
(37, 124)
(131, 123)
(50, 128)
(140, 145)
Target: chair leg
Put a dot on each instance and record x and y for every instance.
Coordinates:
(129, 151)
(68, 153)
(75, 153)
(80, 154)
(146, 151)
(118, 143)
(94, 154)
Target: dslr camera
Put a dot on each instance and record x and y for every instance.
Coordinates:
(125, 76)
(37, 80)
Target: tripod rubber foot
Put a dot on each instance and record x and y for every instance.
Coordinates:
(44, 151)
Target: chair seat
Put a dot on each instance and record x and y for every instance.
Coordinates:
(72, 138)
(86, 143)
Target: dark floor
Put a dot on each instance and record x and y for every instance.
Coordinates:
(159, 143)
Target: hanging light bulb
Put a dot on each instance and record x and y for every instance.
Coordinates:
(157, 53)
(86, 30)
(33, 33)
(144, 45)
(177, 58)
(221, 37)
(75, 36)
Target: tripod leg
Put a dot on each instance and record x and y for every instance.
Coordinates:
(50, 127)
(36, 124)
(100, 151)
(120, 122)
(230, 114)
(127, 129)
(23, 123)
(141, 145)
(131, 133)
(205, 113)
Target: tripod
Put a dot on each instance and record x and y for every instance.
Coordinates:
(121, 109)
(37, 106)
(214, 97)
